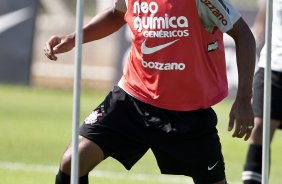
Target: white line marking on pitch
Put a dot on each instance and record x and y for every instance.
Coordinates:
(97, 173)
(18, 166)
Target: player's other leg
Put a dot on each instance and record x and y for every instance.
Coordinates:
(90, 155)
(252, 170)
(253, 166)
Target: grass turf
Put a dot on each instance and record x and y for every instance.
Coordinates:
(35, 128)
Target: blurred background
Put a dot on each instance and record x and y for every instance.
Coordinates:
(26, 25)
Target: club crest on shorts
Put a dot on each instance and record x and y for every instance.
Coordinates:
(93, 117)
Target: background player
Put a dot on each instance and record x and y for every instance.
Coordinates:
(253, 166)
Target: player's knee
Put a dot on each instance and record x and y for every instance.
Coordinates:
(256, 137)
(90, 155)
(259, 125)
(258, 129)
(66, 162)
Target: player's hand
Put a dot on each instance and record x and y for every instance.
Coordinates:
(58, 44)
(242, 117)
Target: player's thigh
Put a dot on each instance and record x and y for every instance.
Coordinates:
(200, 159)
(276, 98)
(258, 93)
(118, 128)
(90, 155)
(195, 152)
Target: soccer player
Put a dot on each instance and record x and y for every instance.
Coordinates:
(175, 72)
(253, 166)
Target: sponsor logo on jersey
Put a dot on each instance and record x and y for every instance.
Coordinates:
(216, 11)
(163, 66)
(152, 26)
(150, 50)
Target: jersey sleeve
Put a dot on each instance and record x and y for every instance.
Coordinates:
(217, 13)
(120, 5)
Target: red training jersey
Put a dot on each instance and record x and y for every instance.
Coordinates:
(174, 63)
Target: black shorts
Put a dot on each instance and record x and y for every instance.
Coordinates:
(276, 94)
(183, 142)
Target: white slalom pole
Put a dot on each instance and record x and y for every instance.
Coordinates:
(267, 95)
(76, 94)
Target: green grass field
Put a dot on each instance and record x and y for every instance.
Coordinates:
(35, 128)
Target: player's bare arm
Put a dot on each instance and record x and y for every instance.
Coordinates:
(102, 25)
(241, 115)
